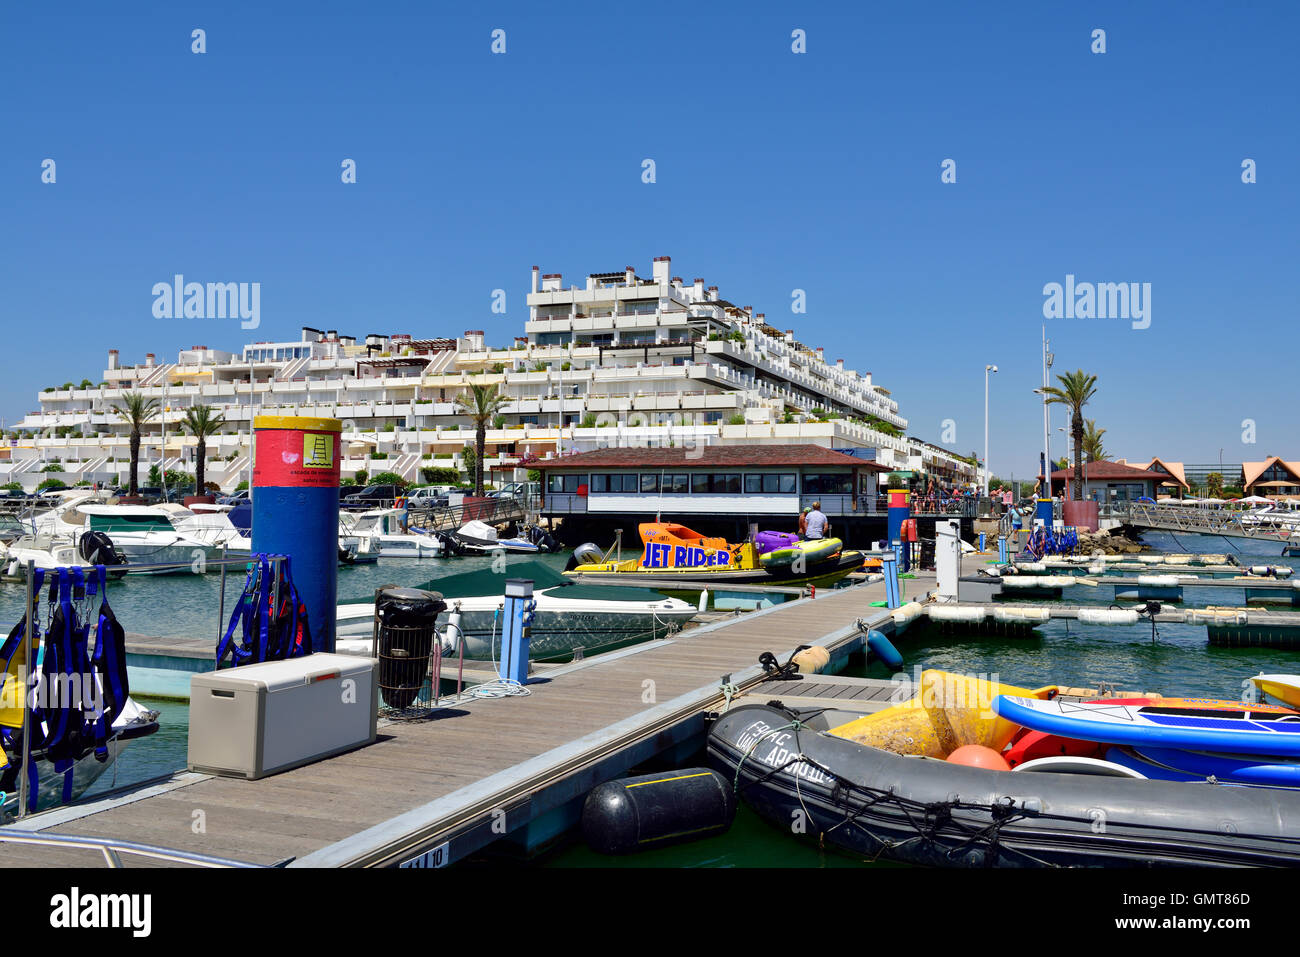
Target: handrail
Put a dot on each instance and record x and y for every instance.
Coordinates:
(112, 848)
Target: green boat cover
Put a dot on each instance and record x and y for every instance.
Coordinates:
(484, 581)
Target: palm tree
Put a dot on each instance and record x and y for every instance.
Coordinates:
(201, 421)
(1075, 390)
(136, 410)
(1092, 446)
(480, 403)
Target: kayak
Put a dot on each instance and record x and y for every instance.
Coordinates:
(1192, 724)
(1285, 688)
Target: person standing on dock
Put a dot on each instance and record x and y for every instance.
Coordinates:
(803, 521)
(817, 524)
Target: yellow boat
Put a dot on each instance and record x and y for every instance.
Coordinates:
(1285, 688)
(672, 553)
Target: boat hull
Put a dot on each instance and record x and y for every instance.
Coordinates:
(873, 803)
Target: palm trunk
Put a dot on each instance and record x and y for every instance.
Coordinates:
(199, 455)
(480, 441)
(133, 487)
(1076, 432)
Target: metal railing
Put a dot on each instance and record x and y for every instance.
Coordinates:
(1212, 521)
(113, 849)
(492, 511)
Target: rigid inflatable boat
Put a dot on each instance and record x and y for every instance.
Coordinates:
(912, 805)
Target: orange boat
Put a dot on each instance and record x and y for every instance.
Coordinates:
(669, 545)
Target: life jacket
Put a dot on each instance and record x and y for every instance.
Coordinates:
(271, 627)
(68, 718)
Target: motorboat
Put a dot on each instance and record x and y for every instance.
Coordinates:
(143, 534)
(481, 537)
(677, 556)
(569, 615)
(385, 530)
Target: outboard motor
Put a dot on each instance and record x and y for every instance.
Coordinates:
(98, 549)
(587, 554)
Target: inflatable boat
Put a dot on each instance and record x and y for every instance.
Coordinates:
(898, 797)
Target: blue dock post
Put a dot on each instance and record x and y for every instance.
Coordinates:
(889, 565)
(899, 512)
(1043, 512)
(1003, 551)
(519, 611)
(296, 509)
(983, 541)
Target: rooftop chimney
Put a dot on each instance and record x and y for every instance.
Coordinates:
(536, 271)
(629, 276)
(112, 358)
(551, 282)
(699, 290)
(148, 359)
(662, 267)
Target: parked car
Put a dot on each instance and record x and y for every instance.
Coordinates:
(372, 496)
(235, 498)
(431, 496)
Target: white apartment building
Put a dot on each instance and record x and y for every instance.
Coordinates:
(620, 361)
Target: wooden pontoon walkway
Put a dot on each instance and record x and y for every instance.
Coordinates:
(483, 766)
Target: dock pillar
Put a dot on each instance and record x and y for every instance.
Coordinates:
(516, 628)
(296, 509)
(1004, 555)
(899, 512)
(889, 566)
(1043, 512)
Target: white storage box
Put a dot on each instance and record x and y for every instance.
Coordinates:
(255, 720)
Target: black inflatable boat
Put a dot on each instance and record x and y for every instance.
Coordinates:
(927, 811)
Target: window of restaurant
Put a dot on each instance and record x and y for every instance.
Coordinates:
(564, 483)
(615, 482)
(775, 483)
(716, 483)
(828, 484)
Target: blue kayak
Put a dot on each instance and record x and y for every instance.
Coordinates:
(1180, 724)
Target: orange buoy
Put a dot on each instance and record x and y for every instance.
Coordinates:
(978, 756)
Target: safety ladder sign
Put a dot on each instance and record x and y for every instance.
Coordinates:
(440, 856)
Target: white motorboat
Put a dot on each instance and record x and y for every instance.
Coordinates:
(384, 531)
(481, 537)
(569, 615)
(143, 534)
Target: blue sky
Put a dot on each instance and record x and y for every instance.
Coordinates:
(775, 171)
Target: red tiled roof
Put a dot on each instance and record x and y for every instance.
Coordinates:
(1112, 470)
(755, 456)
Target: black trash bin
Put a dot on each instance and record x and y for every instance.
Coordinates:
(407, 621)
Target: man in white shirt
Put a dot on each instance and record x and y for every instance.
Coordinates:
(818, 524)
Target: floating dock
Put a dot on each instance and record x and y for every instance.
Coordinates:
(431, 792)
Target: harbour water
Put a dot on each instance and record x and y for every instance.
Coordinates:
(1179, 660)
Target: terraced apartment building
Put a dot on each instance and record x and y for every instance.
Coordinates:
(620, 361)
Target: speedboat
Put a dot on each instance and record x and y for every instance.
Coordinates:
(569, 615)
(143, 534)
(19, 545)
(673, 555)
(387, 535)
(480, 537)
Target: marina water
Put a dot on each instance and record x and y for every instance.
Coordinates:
(1178, 661)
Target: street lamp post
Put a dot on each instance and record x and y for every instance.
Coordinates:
(987, 370)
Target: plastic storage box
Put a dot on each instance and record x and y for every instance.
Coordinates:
(258, 719)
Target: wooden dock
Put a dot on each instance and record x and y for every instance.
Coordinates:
(431, 792)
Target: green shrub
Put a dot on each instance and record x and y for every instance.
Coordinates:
(431, 476)
(737, 419)
(52, 467)
(388, 478)
(588, 421)
(499, 422)
(48, 483)
(378, 455)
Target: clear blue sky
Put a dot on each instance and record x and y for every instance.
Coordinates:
(775, 171)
